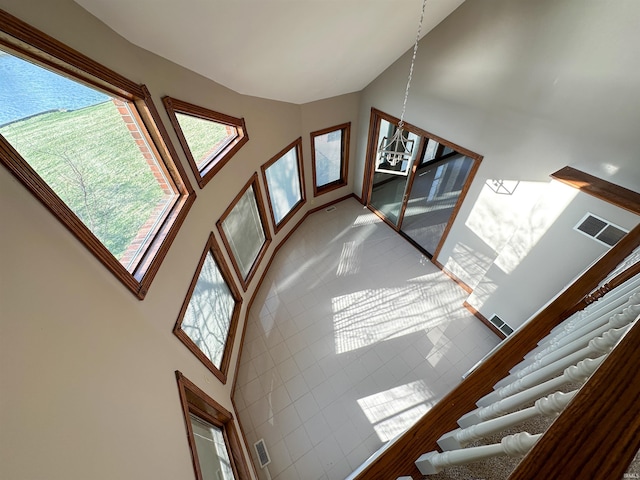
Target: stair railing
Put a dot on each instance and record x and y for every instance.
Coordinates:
(398, 460)
(598, 337)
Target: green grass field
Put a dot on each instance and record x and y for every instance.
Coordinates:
(201, 135)
(89, 158)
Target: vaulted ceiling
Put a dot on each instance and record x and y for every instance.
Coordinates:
(290, 50)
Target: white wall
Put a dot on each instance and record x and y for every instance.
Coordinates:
(533, 87)
(87, 384)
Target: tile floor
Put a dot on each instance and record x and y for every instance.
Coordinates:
(353, 335)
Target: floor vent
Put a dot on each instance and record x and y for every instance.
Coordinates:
(330, 209)
(261, 451)
(601, 230)
(501, 325)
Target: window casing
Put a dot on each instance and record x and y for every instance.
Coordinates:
(136, 261)
(213, 455)
(283, 175)
(330, 158)
(196, 403)
(209, 139)
(208, 318)
(244, 231)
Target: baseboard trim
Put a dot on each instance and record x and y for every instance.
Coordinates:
(452, 276)
(484, 320)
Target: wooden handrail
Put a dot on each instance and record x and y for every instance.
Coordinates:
(399, 458)
(598, 293)
(598, 434)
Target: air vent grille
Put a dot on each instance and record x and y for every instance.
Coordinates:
(600, 230)
(261, 451)
(501, 325)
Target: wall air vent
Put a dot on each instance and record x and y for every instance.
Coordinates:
(501, 325)
(261, 451)
(600, 230)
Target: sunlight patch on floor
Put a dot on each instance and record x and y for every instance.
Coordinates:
(350, 259)
(368, 218)
(370, 316)
(393, 411)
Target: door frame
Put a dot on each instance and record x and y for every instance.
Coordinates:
(367, 185)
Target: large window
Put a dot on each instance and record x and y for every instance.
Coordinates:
(284, 179)
(209, 315)
(209, 139)
(330, 158)
(88, 144)
(244, 231)
(216, 451)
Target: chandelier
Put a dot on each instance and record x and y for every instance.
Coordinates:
(395, 153)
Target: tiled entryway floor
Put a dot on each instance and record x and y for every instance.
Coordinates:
(353, 335)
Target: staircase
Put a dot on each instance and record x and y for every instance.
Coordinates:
(566, 409)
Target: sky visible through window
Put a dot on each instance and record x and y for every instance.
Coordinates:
(283, 180)
(328, 149)
(25, 90)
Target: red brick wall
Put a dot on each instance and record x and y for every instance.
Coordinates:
(139, 137)
(129, 118)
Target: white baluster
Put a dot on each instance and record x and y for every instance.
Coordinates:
(632, 259)
(605, 306)
(618, 320)
(598, 346)
(513, 445)
(607, 303)
(575, 373)
(546, 406)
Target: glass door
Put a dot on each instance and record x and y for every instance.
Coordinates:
(434, 195)
(422, 203)
(390, 185)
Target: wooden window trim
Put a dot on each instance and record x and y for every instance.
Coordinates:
(194, 401)
(220, 373)
(219, 160)
(599, 188)
(344, 167)
(253, 182)
(297, 144)
(26, 41)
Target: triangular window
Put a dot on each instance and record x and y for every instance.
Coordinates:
(209, 139)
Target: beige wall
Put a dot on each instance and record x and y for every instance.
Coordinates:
(533, 87)
(87, 385)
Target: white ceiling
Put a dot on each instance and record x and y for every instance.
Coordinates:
(290, 50)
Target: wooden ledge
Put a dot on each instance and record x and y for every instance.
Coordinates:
(607, 191)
